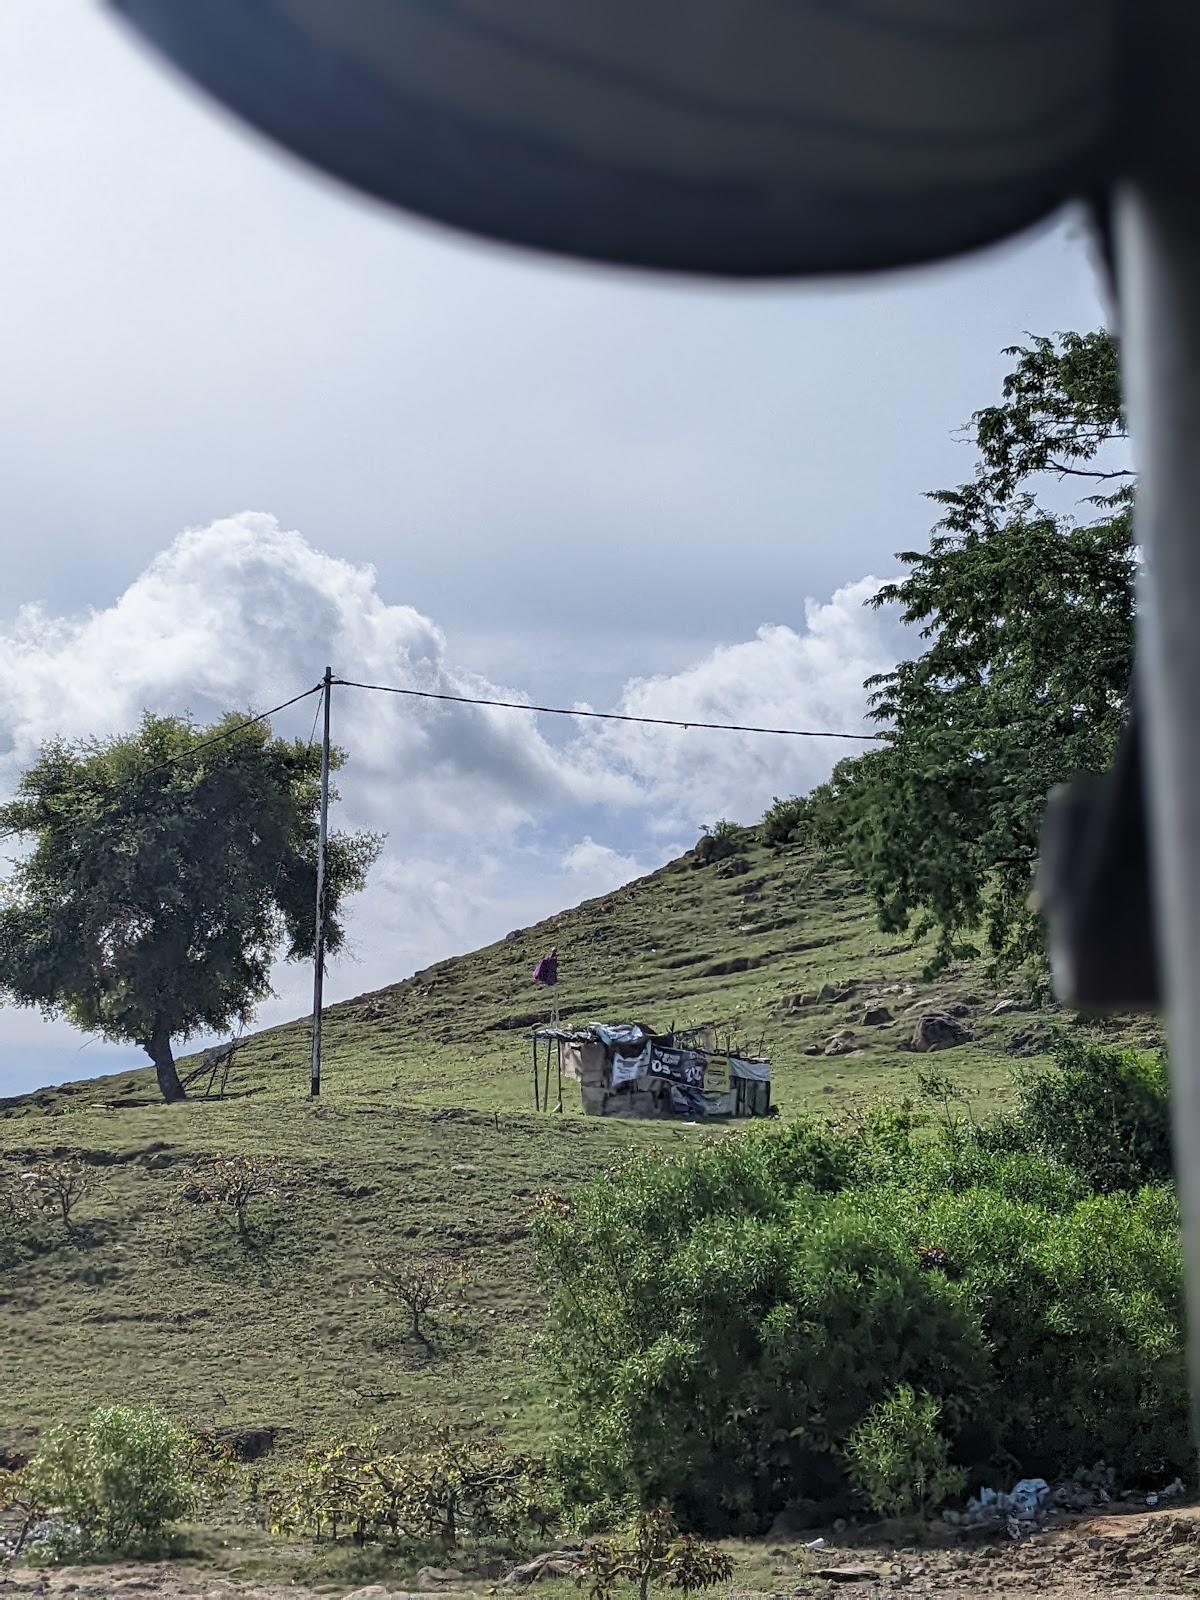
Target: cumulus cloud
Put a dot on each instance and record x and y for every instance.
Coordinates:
(810, 678)
(493, 819)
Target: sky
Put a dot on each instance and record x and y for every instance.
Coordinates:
(251, 424)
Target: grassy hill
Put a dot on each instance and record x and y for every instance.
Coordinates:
(426, 1141)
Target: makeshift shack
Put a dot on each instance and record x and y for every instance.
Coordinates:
(628, 1070)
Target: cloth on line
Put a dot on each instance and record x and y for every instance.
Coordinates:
(756, 1071)
(546, 971)
(628, 1069)
(611, 1033)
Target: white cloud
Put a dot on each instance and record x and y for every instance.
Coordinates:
(598, 867)
(492, 822)
(786, 678)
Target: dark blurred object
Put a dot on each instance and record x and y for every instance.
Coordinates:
(751, 138)
(1093, 887)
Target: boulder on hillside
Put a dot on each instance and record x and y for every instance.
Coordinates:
(842, 1043)
(709, 848)
(937, 1030)
(733, 867)
(1009, 1003)
(876, 1017)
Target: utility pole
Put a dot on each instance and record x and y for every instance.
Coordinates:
(319, 956)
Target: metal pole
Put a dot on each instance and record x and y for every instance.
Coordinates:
(1158, 245)
(537, 1103)
(319, 948)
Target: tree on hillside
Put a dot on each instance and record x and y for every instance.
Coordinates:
(1028, 615)
(163, 879)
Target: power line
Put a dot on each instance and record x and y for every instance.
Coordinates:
(610, 716)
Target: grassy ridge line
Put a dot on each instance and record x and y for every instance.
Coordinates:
(679, 945)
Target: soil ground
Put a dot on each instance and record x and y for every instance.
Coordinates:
(1121, 1553)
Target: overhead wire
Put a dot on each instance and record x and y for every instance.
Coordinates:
(609, 716)
(483, 700)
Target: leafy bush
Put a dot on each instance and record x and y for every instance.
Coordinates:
(898, 1461)
(786, 821)
(434, 1492)
(725, 1320)
(652, 1551)
(724, 832)
(117, 1483)
(1106, 1113)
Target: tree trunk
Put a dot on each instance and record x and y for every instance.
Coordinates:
(159, 1051)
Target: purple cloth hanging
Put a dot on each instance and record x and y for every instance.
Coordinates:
(546, 970)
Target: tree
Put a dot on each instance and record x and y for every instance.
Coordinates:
(1028, 614)
(163, 878)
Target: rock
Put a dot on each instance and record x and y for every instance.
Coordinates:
(553, 1564)
(877, 1017)
(1032, 1040)
(1007, 1004)
(937, 1030)
(842, 1043)
(733, 867)
(708, 849)
(513, 936)
(247, 1444)
(835, 992)
(813, 1050)
(797, 1517)
(437, 1577)
(958, 1008)
(848, 1574)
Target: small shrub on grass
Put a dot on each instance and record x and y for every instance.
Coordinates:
(652, 1551)
(417, 1286)
(117, 1484)
(55, 1188)
(898, 1461)
(232, 1185)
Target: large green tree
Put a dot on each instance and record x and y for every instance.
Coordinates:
(163, 878)
(1028, 616)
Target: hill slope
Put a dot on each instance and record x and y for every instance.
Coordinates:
(787, 952)
(426, 1141)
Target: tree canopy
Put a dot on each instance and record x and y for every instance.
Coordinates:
(1028, 615)
(163, 879)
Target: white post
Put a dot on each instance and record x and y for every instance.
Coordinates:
(319, 950)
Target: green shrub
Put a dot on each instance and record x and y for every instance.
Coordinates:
(724, 1320)
(442, 1487)
(652, 1551)
(724, 832)
(785, 821)
(117, 1483)
(898, 1461)
(1106, 1113)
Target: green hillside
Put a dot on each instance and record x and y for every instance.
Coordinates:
(426, 1141)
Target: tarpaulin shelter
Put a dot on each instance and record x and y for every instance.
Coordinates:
(628, 1070)
(765, 138)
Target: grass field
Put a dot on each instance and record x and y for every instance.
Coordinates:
(426, 1141)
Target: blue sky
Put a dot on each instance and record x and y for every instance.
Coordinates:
(250, 423)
